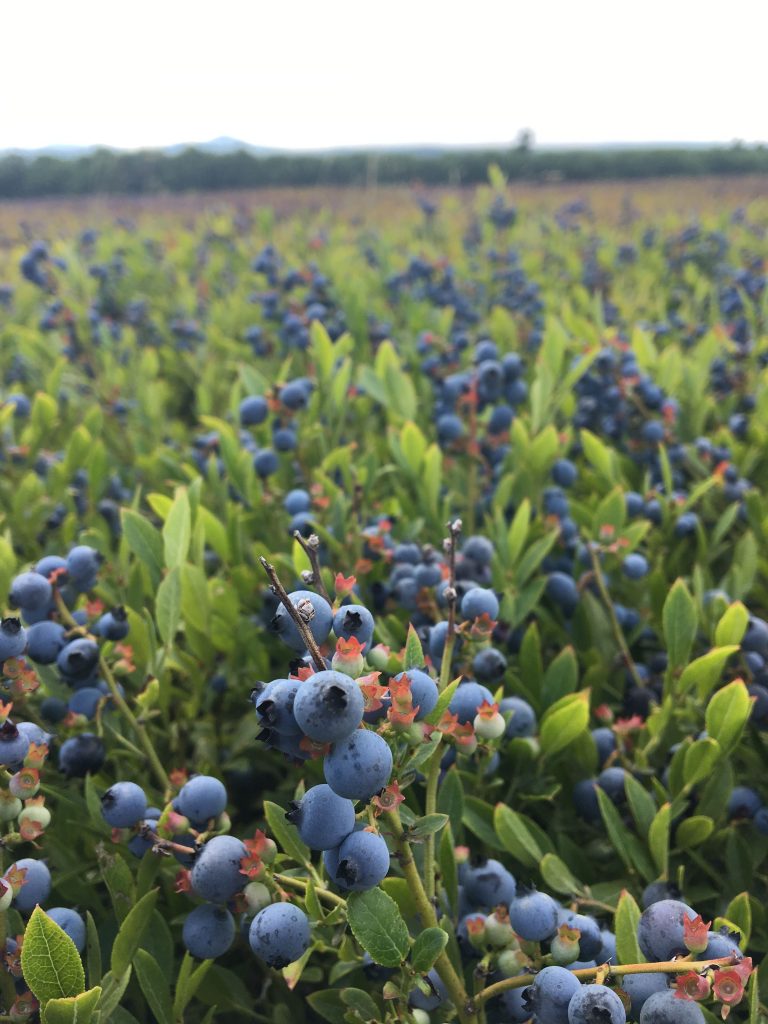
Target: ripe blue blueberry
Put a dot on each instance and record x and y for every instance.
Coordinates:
(37, 883)
(666, 1008)
(488, 884)
(323, 819)
(635, 566)
(438, 994)
(423, 690)
(81, 754)
(612, 782)
(13, 744)
(274, 706)
(358, 766)
(640, 987)
(123, 805)
(534, 916)
(562, 589)
(253, 410)
(479, 601)
(13, 639)
(216, 874)
(50, 564)
(478, 549)
(202, 798)
(362, 861)
(564, 473)
(721, 943)
(30, 591)
(595, 1004)
(328, 706)
(605, 741)
(657, 891)
(44, 641)
(83, 567)
(113, 625)
(208, 931)
(523, 721)
(279, 934)
(743, 802)
(660, 929)
(315, 611)
(489, 665)
(139, 844)
(467, 699)
(354, 620)
(590, 940)
(85, 701)
(70, 922)
(78, 659)
(549, 995)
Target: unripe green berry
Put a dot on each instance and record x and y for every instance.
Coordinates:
(257, 896)
(10, 807)
(498, 931)
(37, 813)
(511, 961)
(489, 728)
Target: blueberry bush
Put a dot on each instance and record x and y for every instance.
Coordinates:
(386, 624)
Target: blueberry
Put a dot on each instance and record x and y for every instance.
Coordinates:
(83, 567)
(274, 706)
(113, 625)
(605, 741)
(534, 916)
(44, 641)
(323, 819)
(423, 690)
(595, 1004)
(562, 589)
(201, 799)
(720, 944)
(437, 996)
(13, 744)
(208, 931)
(37, 883)
(78, 659)
(467, 699)
(315, 611)
(488, 884)
(359, 766)
(489, 665)
(743, 803)
(70, 922)
(85, 701)
(362, 861)
(13, 639)
(666, 1008)
(81, 754)
(279, 934)
(612, 781)
(590, 940)
(523, 721)
(635, 566)
(297, 500)
(686, 524)
(265, 462)
(478, 549)
(216, 874)
(123, 805)
(477, 602)
(34, 734)
(30, 591)
(354, 620)
(640, 987)
(253, 410)
(660, 929)
(549, 995)
(564, 473)
(658, 891)
(139, 844)
(329, 706)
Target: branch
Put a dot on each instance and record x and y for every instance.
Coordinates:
(303, 628)
(311, 547)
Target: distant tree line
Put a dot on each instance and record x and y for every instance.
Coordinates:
(151, 171)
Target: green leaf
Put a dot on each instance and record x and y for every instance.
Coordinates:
(448, 871)
(625, 926)
(328, 1004)
(131, 931)
(445, 698)
(727, 714)
(144, 541)
(78, 1009)
(732, 625)
(119, 880)
(561, 678)
(292, 972)
(754, 998)
(378, 926)
(427, 825)
(427, 948)
(598, 454)
(195, 606)
(177, 530)
(112, 991)
(641, 804)
(50, 962)
(693, 831)
(534, 555)
(154, 985)
(414, 653)
(658, 839)
(168, 606)
(285, 833)
(705, 672)
(92, 950)
(514, 835)
(626, 845)
(518, 531)
(478, 818)
(558, 876)
(739, 911)
(680, 621)
(413, 445)
(450, 797)
(700, 758)
(359, 1000)
(563, 722)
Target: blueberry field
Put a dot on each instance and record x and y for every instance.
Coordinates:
(385, 607)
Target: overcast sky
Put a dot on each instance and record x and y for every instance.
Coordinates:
(299, 74)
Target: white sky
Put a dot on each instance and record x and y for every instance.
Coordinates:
(301, 74)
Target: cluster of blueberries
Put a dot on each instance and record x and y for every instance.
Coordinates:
(40, 636)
